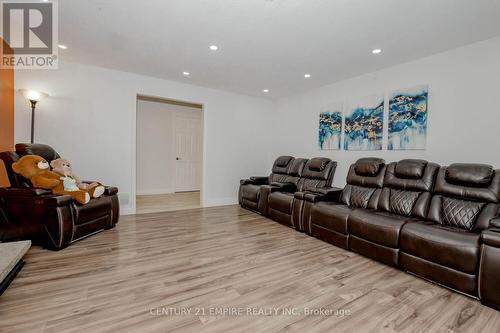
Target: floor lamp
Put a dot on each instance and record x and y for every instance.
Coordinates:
(34, 97)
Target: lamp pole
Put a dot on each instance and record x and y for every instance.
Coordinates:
(34, 97)
(33, 106)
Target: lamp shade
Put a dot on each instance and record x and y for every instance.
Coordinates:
(33, 95)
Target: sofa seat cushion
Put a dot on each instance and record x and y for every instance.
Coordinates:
(331, 215)
(281, 201)
(378, 227)
(250, 192)
(450, 247)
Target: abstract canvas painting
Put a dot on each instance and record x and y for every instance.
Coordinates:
(408, 119)
(330, 128)
(364, 124)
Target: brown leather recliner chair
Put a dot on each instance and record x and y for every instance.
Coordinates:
(330, 210)
(445, 247)
(54, 221)
(318, 172)
(289, 183)
(405, 196)
(249, 195)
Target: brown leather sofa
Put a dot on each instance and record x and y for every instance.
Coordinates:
(318, 172)
(330, 210)
(439, 223)
(54, 221)
(405, 197)
(249, 191)
(445, 246)
(288, 184)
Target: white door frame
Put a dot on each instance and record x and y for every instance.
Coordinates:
(204, 110)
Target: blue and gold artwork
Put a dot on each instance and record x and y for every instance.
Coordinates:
(408, 119)
(330, 130)
(364, 124)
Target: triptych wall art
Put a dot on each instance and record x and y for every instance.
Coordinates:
(363, 124)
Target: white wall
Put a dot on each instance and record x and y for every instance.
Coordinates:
(464, 113)
(155, 145)
(90, 118)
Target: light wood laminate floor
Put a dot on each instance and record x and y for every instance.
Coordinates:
(167, 202)
(211, 259)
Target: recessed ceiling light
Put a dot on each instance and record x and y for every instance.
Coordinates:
(307, 76)
(61, 46)
(376, 51)
(214, 47)
(265, 91)
(186, 73)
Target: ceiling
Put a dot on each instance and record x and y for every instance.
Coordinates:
(267, 44)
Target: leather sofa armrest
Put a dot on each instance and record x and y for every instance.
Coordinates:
(110, 190)
(323, 194)
(489, 268)
(300, 195)
(255, 181)
(54, 200)
(495, 222)
(35, 196)
(14, 192)
(491, 237)
(283, 187)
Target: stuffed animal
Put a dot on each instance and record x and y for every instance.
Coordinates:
(36, 169)
(63, 168)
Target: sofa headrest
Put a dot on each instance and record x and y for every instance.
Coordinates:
(297, 166)
(367, 172)
(282, 165)
(411, 175)
(319, 168)
(45, 151)
(318, 164)
(410, 169)
(477, 182)
(368, 166)
(283, 161)
(474, 175)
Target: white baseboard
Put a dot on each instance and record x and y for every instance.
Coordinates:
(126, 210)
(154, 192)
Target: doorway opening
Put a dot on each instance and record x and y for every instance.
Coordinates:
(169, 158)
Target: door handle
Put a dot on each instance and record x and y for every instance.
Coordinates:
(177, 158)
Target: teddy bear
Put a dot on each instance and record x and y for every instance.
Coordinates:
(63, 168)
(37, 170)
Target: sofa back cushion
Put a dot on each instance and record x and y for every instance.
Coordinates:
(22, 149)
(280, 169)
(368, 166)
(407, 186)
(466, 196)
(364, 180)
(296, 170)
(45, 151)
(317, 172)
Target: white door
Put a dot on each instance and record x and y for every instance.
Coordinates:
(188, 150)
